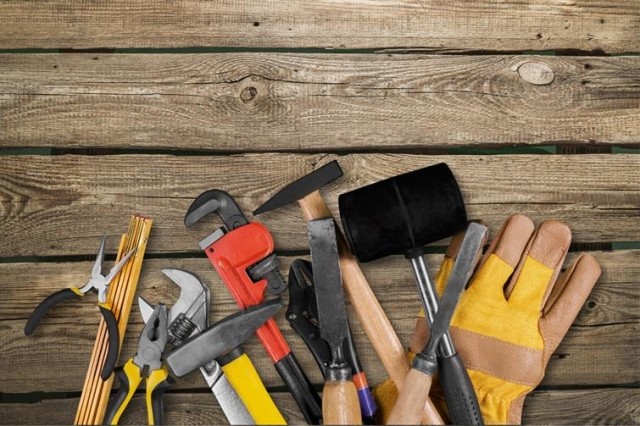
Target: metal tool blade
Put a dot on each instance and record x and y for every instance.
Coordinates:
(332, 314)
(468, 256)
(302, 187)
(228, 399)
(220, 338)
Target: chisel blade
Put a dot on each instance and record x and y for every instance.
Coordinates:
(332, 315)
(468, 256)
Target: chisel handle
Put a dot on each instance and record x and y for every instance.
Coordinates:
(244, 378)
(458, 392)
(410, 403)
(340, 405)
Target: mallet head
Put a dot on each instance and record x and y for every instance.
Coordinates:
(302, 187)
(402, 213)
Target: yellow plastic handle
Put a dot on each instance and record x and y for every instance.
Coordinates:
(244, 378)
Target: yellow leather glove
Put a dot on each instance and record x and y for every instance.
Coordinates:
(515, 312)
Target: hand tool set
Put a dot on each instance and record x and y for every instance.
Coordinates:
(488, 327)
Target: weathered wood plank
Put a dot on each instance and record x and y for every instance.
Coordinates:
(247, 101)
(607, 25)
(598, 350)
(593, 406)
(61, 204)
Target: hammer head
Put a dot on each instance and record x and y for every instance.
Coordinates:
(402, 213)
(302, 187)
(220, 338)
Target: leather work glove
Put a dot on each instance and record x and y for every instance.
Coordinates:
(515, 312)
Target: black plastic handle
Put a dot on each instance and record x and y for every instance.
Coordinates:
(114, 342)
(300, 387)
(119, 398)
(157, 401)
(459, 394)
(45, 306)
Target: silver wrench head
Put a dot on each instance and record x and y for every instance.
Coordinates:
(194, 298)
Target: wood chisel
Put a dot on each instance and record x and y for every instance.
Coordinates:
(413, 394)
(340, 403)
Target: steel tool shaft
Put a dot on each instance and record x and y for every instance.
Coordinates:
(340, 403)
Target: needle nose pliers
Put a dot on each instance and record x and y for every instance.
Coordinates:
(97, 282)
(146, 363)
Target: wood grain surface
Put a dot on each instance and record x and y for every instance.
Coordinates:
(301, 102)
(592, 406)
(607, 25)
(60, 205)
(598, 350)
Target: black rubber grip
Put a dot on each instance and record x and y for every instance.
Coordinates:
(157, 401)
(114, 342)
(119, 398)
(300, 387)
(459, 394)
(45, 306)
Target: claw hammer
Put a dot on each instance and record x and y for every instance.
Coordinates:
(374, 321)
(242, 254)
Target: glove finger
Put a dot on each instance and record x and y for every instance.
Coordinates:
(538, 269)
(511, 240)
(503, 256)
(566, 300)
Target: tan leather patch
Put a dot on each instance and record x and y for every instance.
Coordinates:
(510, 362)
(511, 240)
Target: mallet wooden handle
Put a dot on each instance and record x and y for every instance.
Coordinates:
(340, 405)
(372, 317)
(408, 407)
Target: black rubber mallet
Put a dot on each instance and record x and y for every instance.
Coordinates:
(400, 215)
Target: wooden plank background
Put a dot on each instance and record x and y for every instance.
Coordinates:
(108, 108)
(608, 25)
(266, 101)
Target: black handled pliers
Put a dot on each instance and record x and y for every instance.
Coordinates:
(97, 282)
(146, 363)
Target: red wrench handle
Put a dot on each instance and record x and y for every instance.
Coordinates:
(273, 341)
(231, 256)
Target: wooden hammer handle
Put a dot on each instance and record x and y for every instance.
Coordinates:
(340, 404)
(372, 317)
(408, 407)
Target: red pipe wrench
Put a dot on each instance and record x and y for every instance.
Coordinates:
(242, 254)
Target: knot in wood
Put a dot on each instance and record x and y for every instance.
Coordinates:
(248, 93)
(537, 73)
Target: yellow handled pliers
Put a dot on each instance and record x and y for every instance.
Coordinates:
(99, 283)
(146, 363)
